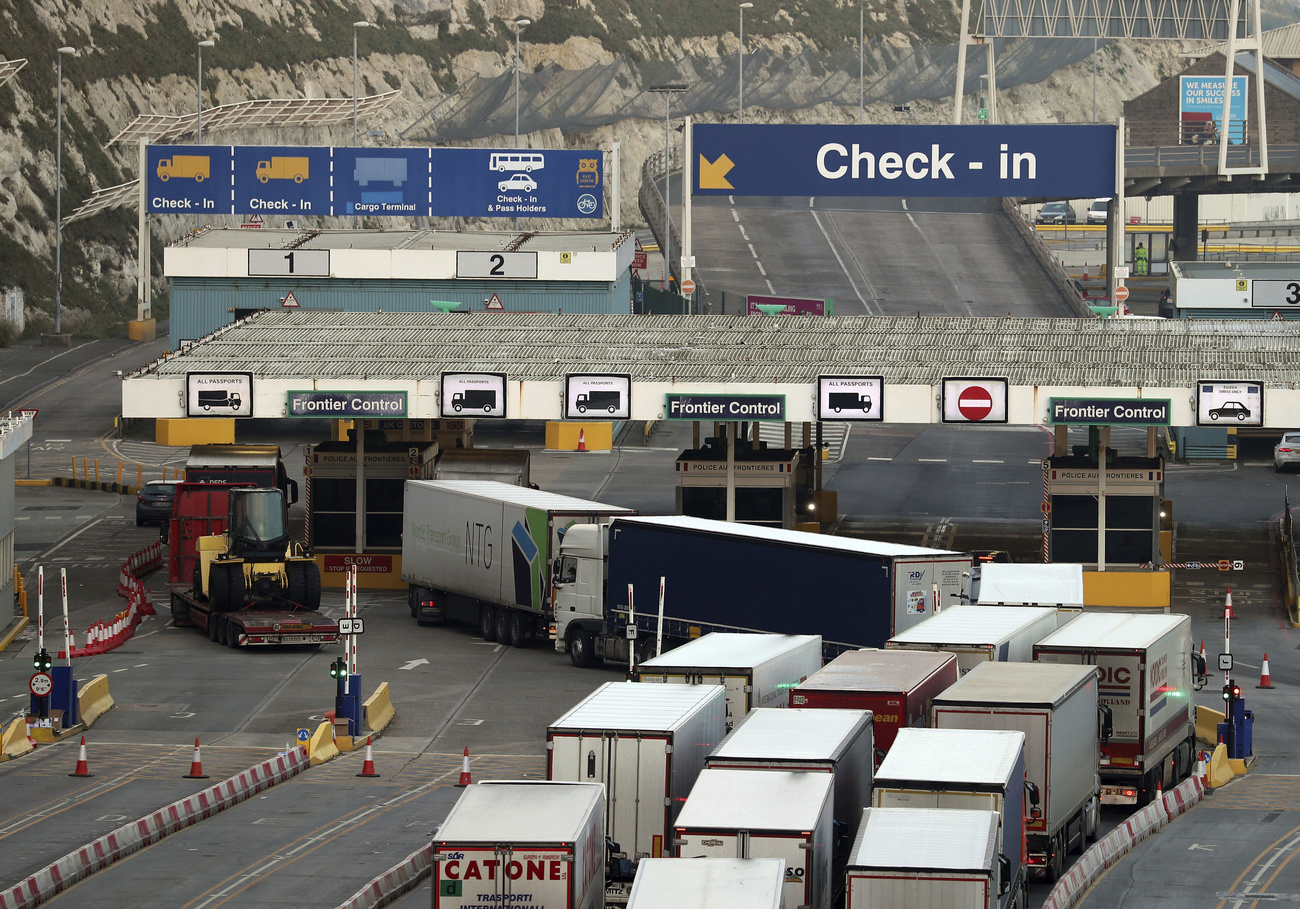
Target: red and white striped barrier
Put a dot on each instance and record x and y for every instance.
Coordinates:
(102, 637)
(402, 878)
(77, 866)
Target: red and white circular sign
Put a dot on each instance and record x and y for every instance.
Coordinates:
(975, 403)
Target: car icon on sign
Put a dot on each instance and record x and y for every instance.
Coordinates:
(1230, 409)
(521, 182)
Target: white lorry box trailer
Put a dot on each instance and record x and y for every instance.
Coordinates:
(765, 814)
(709, 883)
(836, 742)
(646, 744)
(480, 553)
(756, 669)
(925, 858)
(522, 843)
(973, 769)
(1145, 668)
(1056, 708)
(980, 634)
(1058, 584)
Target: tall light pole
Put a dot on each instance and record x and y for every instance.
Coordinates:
(740, 73)
(517, 25)
(862, 55)
(1094, 78)
(356, 85)
(672, 88)
(58, 200)
(202, 44)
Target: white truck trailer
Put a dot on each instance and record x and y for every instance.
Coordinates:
(646, 744)
(980, 634)
(835, 742)
(764, 814)
(480, 553)
(1058, 584)
(1056, 707)
(522, 843)
(707, 883)
(926, 858)
(1147, 672)
(964, 768)
(756, 669)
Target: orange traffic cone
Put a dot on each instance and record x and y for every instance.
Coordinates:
(368, 766)
(1203, 654)
(83, 769)
(196, 766)
(464, 770)
(1264, 680)
(1202, 771)
(582, 440)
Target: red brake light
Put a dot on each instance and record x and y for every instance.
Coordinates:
(1285, 449)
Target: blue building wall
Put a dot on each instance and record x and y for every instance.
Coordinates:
(202, 305)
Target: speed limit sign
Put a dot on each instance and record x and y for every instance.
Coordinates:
(41, 684)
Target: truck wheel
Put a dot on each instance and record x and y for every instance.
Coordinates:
(520, 632)
(579, 647)
(235, 591)
(1056, 864)
(487, 623)
(212, 626)
(645, 650)
(503, 626)
(312, 574)
(218, 587)
(180, 612)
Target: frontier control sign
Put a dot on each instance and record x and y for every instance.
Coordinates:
(725, 407)
(347, 404)
(1109, 411)
(956, 161)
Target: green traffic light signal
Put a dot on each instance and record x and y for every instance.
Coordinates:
(338, 669)
(42, 660)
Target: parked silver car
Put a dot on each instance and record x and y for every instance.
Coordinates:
(1287, 452)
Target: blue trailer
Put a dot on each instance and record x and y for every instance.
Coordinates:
(721, 576)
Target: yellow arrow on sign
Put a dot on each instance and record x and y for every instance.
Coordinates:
(713, 175)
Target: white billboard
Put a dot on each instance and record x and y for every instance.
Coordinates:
(218, 394)
(607, 397)
(473, 394)
(1229, 403)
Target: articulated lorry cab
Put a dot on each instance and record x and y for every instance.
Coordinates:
(720, 576)
(256, 465)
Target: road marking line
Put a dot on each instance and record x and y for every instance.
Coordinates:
(760, 269)
(979, 461)
(879, 459)
(843, 267)
(751, 250)
(933, 460)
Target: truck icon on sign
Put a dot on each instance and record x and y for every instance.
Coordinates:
(287, 168)
(849, 400)
(609, 400)
(219, 397)
(475, 398)
(194, 167)
(388, 170)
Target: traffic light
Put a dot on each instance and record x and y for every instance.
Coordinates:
(42, 661)
(1231, 693)
(338, 669)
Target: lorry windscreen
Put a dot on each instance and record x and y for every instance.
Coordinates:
(259, 517)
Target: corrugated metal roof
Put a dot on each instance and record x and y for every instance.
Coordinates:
(1274, 75)
(981, 757)
(1114, 630)
(756, 800)
(735, 349)
(622, 706)
(728, 650)
(939, 839)
(1042, 684)
(792, 734)
(517, 811)
(973, 625)
(877, 670)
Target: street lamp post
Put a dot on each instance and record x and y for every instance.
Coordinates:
(673, 88)
(740, 73)
(356, 85)
(202, 44)
(58, 200)
(517, 25)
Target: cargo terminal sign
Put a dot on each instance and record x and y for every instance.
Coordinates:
(382, 182)
(820, 160)
(1109, 411)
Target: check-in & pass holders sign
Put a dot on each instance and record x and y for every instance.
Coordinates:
(725, 407)
(850, 398)
(218, 394)
(473, 394)
(1109, 411)
(1229, 403)
(346, 404)
(606, 397)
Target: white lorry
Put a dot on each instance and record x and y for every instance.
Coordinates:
(707, 883)
(480, 553)
(834, 742)
(1058, 584)
(1147, 672)
(764, 814)
(756, 669)
(965, 768)
(522, 843)
(1056, 707)
(980, 634)
(926, 858)
(646, 744)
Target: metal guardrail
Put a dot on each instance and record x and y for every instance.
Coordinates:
(1290, 562)
(653, 206)
(1055, 270)
(1206, 156)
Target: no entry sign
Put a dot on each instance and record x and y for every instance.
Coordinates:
(974, 400)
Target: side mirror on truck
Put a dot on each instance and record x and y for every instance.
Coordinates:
(1200, 672)
(1105, 723)
(1031, 799)
(1004, 874)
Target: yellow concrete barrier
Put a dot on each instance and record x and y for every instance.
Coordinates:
(182, 432)
(321, 748)
(1126, 589)
(562, 436)
(377, 710)
(1240, 767)
(14, 742)
(93, 700)
(1221, 772)
(1207, 724)
(142, 330)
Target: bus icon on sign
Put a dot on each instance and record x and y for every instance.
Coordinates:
(517, 160)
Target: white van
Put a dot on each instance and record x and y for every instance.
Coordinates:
(1097, 211)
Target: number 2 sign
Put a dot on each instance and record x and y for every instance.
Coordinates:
(477, 264)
